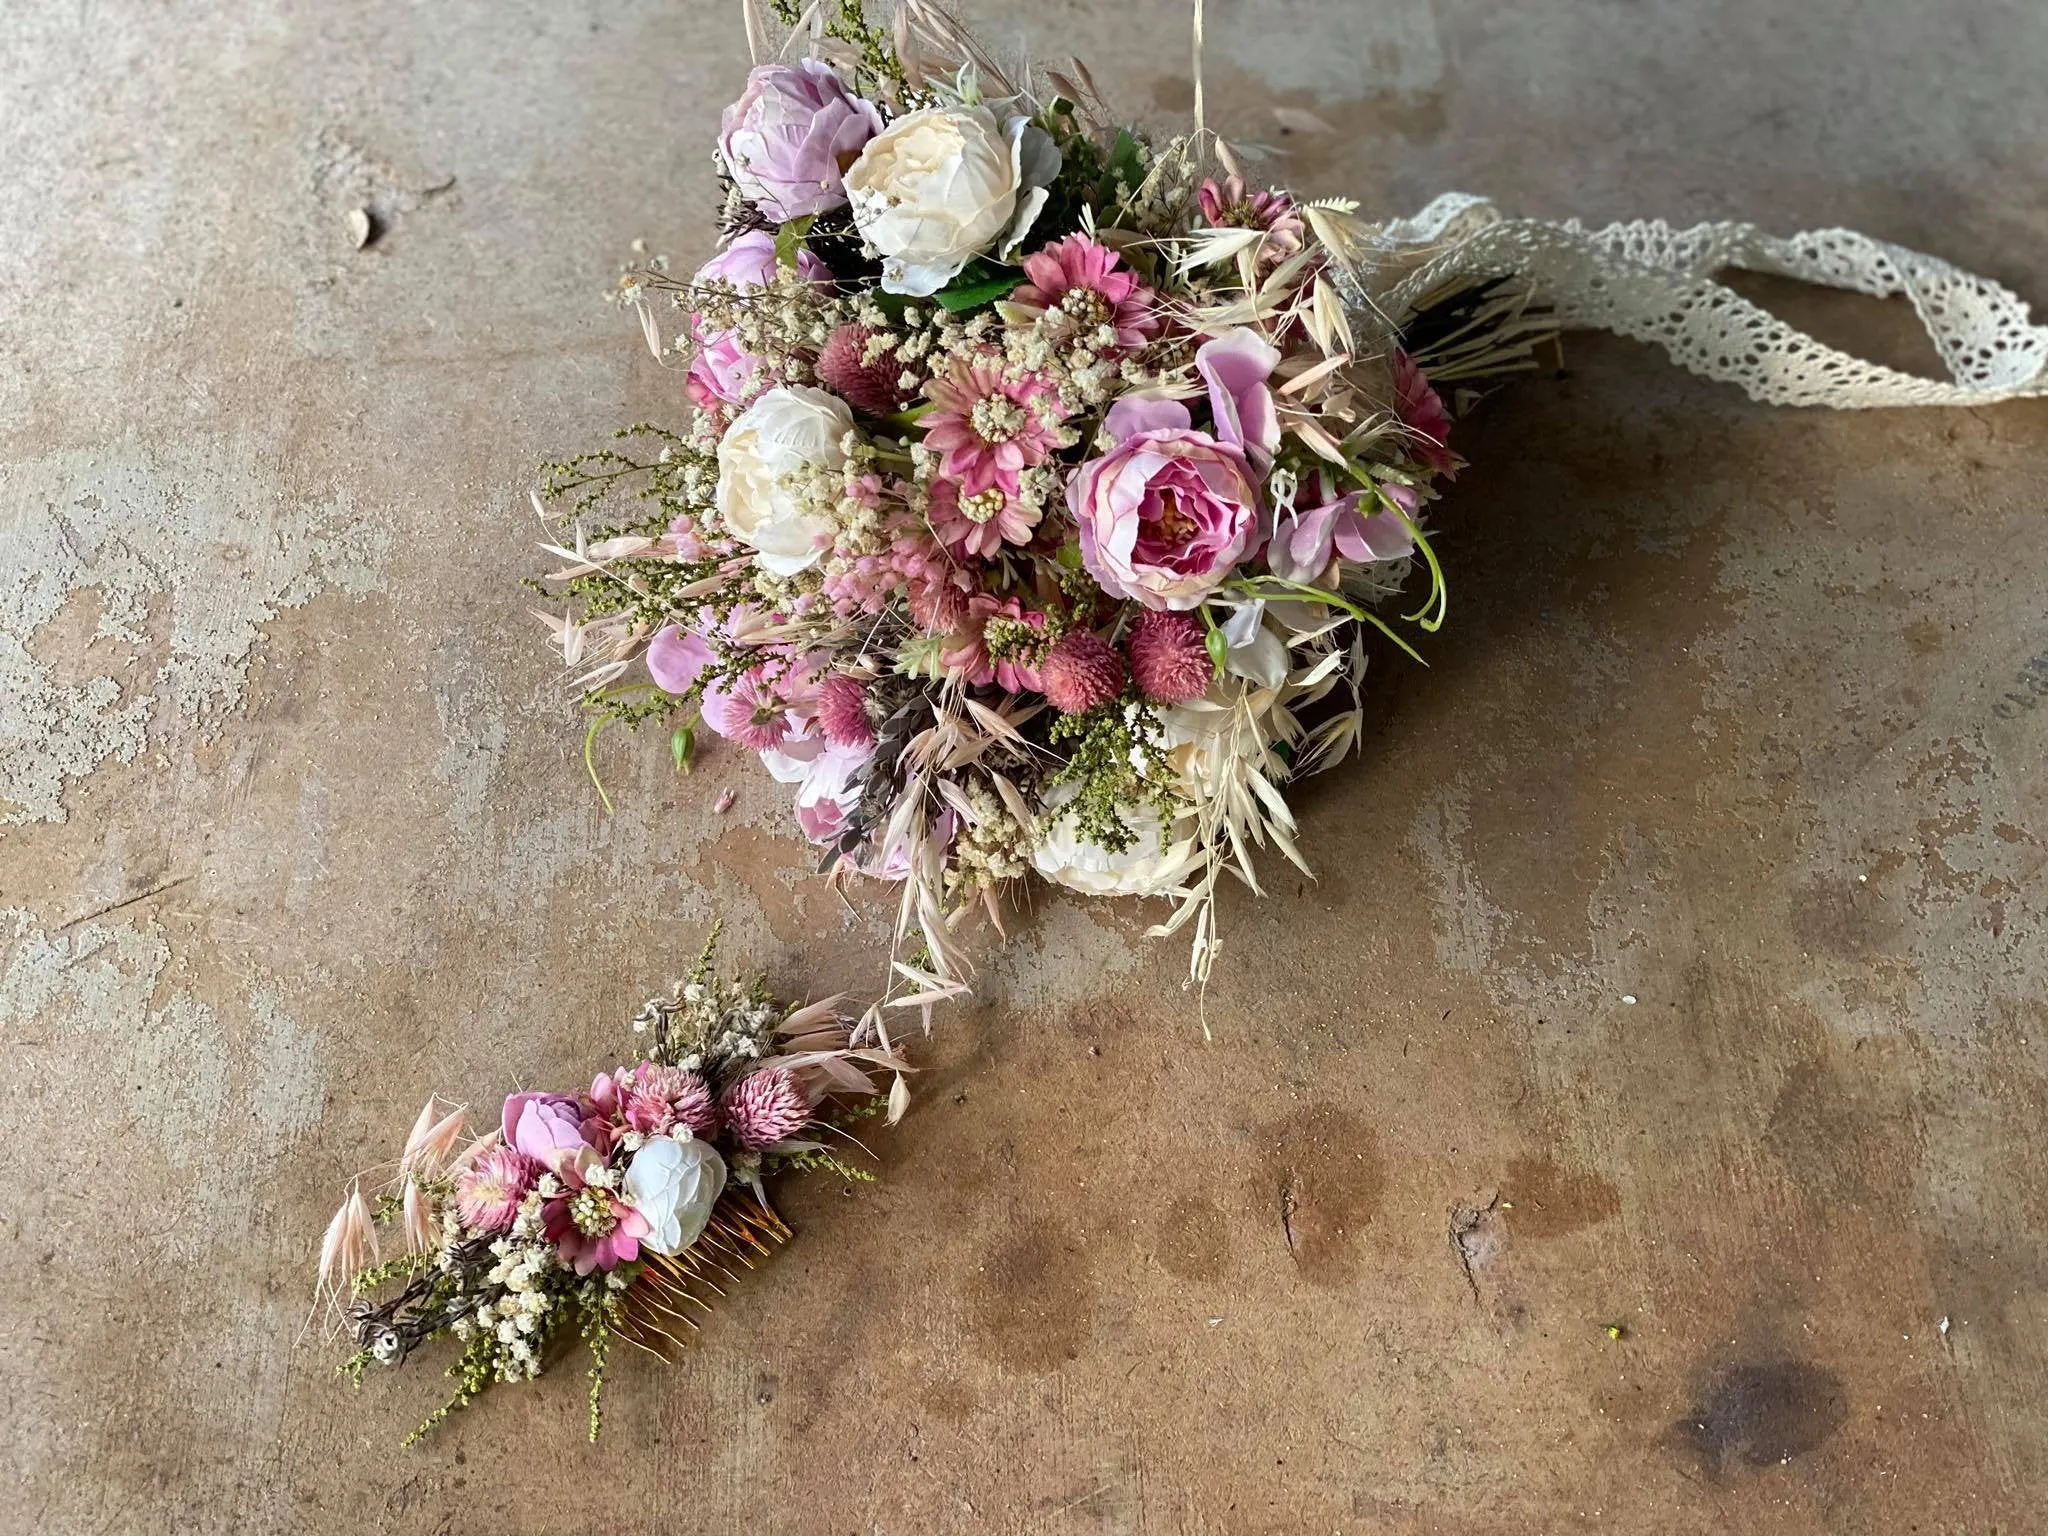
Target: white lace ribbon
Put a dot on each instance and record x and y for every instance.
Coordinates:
(1646, 280)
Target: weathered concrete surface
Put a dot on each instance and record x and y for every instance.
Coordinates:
(300, 833)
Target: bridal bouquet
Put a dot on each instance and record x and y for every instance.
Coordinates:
(1045, 481)
(606, 1214)
(1042, 483)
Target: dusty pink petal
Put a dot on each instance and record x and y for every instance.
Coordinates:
(1236, 366)
(676, 658)
(1134, 414)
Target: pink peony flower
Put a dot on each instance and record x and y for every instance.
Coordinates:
(988, 424)
(977, 526)
(875, 388)
(546, 1127)
(790, 137)
(1422, 412)
(488, 1193)
(843, 712)
(994, 645)
(1170, 657)
(1082, 671)
(766, 1107)
(749, 710)
(1090, 289)
(1169, 512)
(721, 370)
(1304, 541)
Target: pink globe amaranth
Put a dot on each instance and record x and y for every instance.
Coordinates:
(790, 137)
(659, 1098)
(766, 1107)
(721, 370)
(875, 388)
(842, 706)
(1170, 658)
(1169, 512)
(1080, 673)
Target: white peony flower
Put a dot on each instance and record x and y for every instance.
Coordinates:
(674, 1184)
(1149, 867)
(784, 431)
(938, 187)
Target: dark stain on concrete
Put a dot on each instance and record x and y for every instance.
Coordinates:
(1542, 1198)
(1032, 1300)
(1322, 1184)
(1761, 1415)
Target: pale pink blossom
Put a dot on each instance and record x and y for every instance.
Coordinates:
(1088, 288)
(988, 422)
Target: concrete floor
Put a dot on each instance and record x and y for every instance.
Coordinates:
(297, 831)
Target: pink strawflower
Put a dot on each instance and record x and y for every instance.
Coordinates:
(1100, 300)
(987, 424)
(842, 706)
(1082, 671)
(871, 387)
(748, 710)
(995, 645)
(978, 525)
(1423, 413)
(764, 1108)
(1227, 205)
(487, 1195)
(1169, 657)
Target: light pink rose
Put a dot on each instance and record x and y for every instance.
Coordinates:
(1307, 539)
(721, 370)
(790, 137)
(1168, 512)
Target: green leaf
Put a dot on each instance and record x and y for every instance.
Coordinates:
(1069, 556)
(789, 237)
(1124, 163)
(968, 292)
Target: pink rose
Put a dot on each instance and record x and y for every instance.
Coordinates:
(1168, 512)
(790, 137)
(722, 371)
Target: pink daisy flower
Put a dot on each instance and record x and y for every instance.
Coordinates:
(995, 645)
(981, 524)
(1227, 205)
(750, 711)
(1089, 287)
(987, 425)
(1423, 413)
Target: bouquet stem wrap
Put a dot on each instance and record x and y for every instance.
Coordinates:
(1645, 280)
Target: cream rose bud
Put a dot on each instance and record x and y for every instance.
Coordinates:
(937, 187)
(1151, 866)
(674, 1185)
(786, 430)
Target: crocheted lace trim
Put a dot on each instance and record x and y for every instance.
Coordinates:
(1646, 280)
